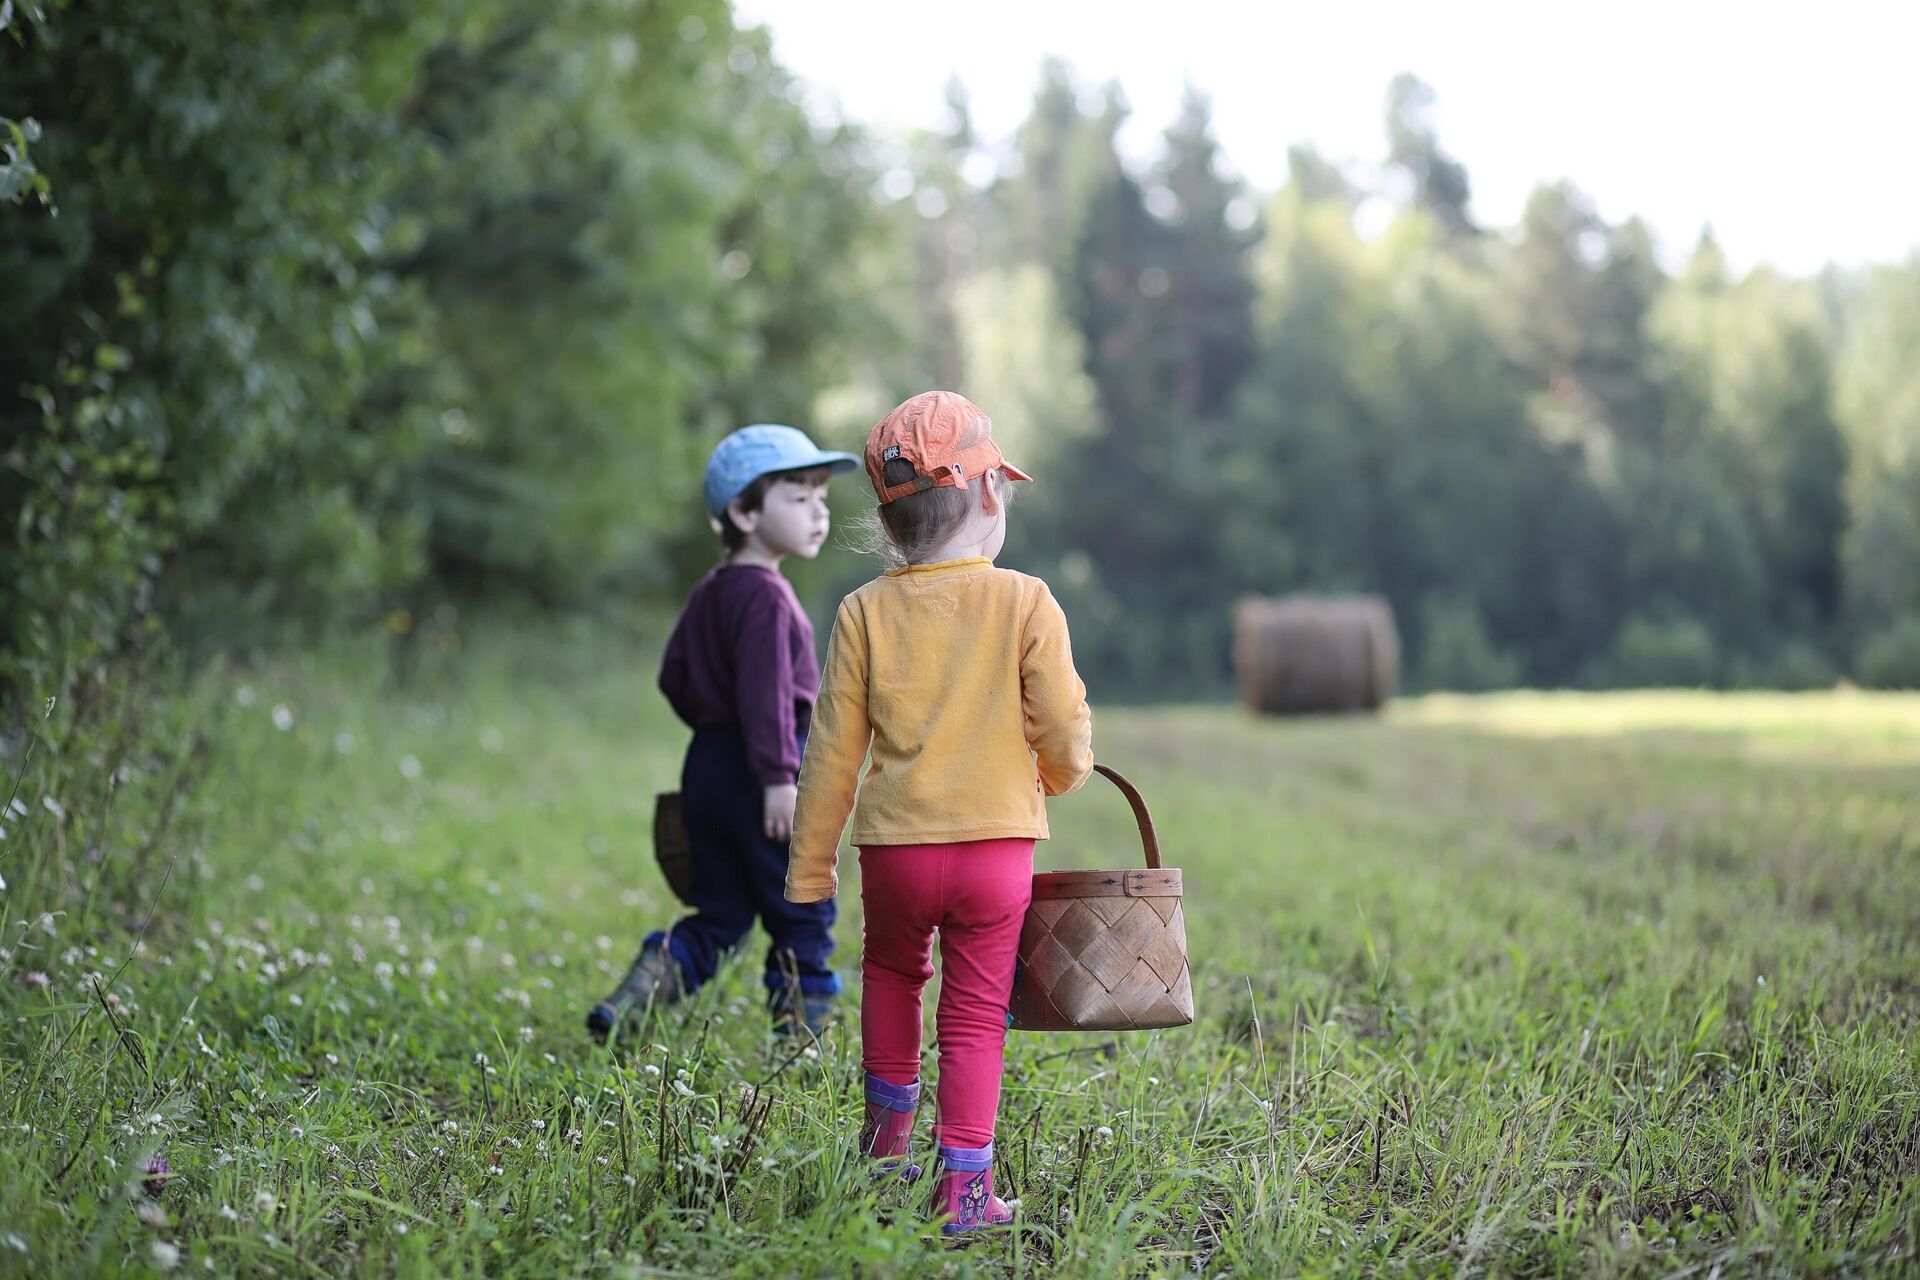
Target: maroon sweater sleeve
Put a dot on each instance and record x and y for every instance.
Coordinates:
(763, 685)
(675, 677)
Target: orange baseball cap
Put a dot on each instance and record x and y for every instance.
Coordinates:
(946, 438)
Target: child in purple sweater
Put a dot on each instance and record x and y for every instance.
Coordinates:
(740, 670)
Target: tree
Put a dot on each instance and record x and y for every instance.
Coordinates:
(1439, 182)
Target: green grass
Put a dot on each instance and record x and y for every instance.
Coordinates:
(1534, 984)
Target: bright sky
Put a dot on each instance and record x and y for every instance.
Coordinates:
(1792, 127)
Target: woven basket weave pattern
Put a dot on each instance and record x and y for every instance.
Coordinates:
(1105, 950)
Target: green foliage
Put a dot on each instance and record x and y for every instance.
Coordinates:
(341, 307)
(1456, 652)
(1890, 658)
(1669, 653)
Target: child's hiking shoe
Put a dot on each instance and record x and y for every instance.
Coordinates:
(653, 979)
(887, 1137)
(794, 1011)
(964, 1194)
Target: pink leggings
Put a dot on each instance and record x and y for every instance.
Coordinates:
(975, 894)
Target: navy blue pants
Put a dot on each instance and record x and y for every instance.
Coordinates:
(739, 874)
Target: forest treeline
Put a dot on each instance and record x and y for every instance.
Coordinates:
(321, 316)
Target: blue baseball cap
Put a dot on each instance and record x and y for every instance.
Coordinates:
(755, 451)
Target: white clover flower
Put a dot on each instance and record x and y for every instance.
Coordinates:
(165, 1256)
(264, 1202)
(53, 806)
(650, 1069)
(680, 1087)
(343, 743)
(449, 1126)
(230, 1213)
(410, 767)
(282, 717)
(539, 1124)
(151, 1215)
(400, 1228)
(1103, 1132)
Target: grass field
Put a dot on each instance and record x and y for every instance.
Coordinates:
(1520, 985)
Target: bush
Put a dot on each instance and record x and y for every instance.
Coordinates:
(1456, 653)
(1663, 653)
(1890, 659)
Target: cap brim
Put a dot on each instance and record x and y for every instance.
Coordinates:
(834, 461)
(1013, 472)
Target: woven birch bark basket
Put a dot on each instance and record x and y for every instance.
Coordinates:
(1105, 950)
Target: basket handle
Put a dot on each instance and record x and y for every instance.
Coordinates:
(1149, 839)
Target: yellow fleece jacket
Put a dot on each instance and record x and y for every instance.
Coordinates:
(960, 679)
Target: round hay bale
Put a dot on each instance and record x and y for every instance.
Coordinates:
(1304, 654)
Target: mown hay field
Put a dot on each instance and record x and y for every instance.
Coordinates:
(1516, 985)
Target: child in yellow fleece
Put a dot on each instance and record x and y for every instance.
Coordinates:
(958, 678)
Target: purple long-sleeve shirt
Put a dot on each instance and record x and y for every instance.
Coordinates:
(742, 655)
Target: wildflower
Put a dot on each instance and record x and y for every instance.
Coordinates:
(158, 1171)
(650, 1069)
(479, 1059)
(539, 1124)
(491, 739)
(410, 767)
(13, 1241)
(230, 1213)
(1103, 1132)
(449, 1126)
(151, 1215)
(35, 978)
(343, 743)
(333, 1059)
(495, 1169)
(244, 695)
(264, 1202)
(53, 806)
(165, 1256)
(400, 1228)
(526, 1035)
(282, 717)
(680, 1087)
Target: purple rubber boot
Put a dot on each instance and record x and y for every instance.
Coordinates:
(887, 1136)
(964, 1195)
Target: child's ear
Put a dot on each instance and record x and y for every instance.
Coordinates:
(745, 520)
(989, 500)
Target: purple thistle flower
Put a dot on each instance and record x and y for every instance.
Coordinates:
(157, 1171)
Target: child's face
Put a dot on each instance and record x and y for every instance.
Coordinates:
(793, 520)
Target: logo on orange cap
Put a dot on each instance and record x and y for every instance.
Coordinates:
(946, 438)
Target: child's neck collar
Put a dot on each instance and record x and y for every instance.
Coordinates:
(941, 566)
(754, 557)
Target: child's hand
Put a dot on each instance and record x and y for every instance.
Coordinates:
(779, 811)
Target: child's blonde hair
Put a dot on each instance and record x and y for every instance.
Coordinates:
(909, 529)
